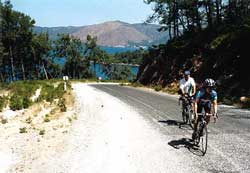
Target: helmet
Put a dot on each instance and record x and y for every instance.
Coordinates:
(209, 83)
(187, 72)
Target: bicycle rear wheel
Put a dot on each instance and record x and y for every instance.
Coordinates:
(191, 118)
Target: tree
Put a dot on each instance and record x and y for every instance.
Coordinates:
(8, 33)
(118, 72)
(16, 37)
(40, 48)
(70, 48)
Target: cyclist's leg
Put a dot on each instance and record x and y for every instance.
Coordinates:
(200, 106)
(207, 108)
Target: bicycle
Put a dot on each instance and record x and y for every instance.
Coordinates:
(201, 137)
(187, 110)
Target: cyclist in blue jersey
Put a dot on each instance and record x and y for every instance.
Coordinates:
(205, 98)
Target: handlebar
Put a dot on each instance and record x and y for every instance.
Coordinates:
(214, 115)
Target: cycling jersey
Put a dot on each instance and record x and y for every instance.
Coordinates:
(187, 86)
(202, 94)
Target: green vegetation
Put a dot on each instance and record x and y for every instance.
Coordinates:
(28, 120)
(158, 88)
(118, 72)
(46, 118)
(62, 105)
(3, 102)
(70, 119)
(129, 57)
(4, 121)
(41, 132)
(49, 92)
(22, 91)
(18, 102)
(23, 130)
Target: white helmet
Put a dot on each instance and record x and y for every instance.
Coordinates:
(209, 83)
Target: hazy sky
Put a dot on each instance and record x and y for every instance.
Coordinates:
(83, 12)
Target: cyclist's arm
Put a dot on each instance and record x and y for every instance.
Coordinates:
(197, 98)
(215, 107)
(194, 90)
(214, 102)
(193, 87)
(195, 106)
(181, 87)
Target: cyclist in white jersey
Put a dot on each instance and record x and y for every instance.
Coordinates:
(187, 85)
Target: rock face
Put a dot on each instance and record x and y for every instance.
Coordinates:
(114, 33)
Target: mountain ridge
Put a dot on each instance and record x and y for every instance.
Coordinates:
(112, 33)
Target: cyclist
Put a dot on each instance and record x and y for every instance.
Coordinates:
(187, 91)
(187, 85)
(205, 98)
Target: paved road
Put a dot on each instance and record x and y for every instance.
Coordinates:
(228, 146)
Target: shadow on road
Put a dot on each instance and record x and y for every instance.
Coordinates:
(186, 143)
(181, 125)
(171, 122)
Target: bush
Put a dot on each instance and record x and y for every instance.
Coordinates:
(41, 132)
(137, 84)
(4, 121)
(26, 102)
(62, 105)
(3, 101)
(49, 92)
(158, 88)
(46, 118)
(28, 120)
(18, 102)
(23, 130)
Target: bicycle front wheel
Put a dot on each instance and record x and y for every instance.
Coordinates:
(204, 140)
(185, 116)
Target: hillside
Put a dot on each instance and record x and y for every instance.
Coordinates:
(114, 33)
(221, 55)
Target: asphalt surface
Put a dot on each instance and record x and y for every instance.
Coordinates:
(228, 139)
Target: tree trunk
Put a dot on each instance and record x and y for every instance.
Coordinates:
(2, 77)
(23, 71)
(45, 72)
(12, 63)
(209, 13)
(218, 11)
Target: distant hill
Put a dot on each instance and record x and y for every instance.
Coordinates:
(112, 34)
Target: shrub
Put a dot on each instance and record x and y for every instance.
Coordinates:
(46, 118)
(3, 101)
(158, 88)
(23, 130)
(70, 119)
(49, 92)
(41, 132)
(26, 102)
(62, 105)
(28, 120)
(18, 102)
(136, 84)
(4, 121)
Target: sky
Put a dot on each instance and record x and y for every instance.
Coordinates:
(53, 13)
